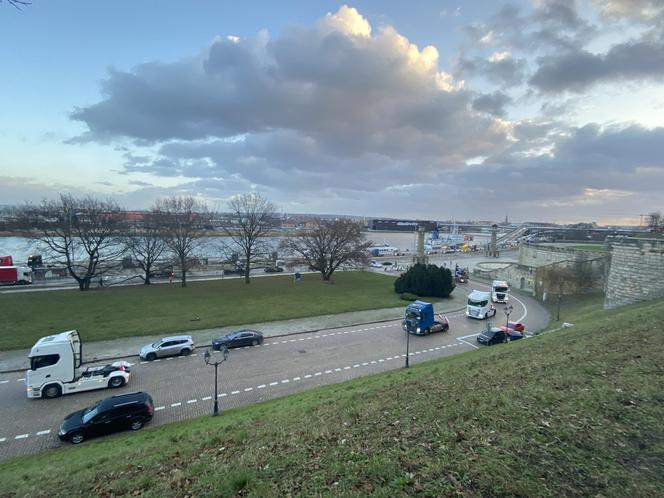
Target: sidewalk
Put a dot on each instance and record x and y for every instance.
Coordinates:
(16, 360)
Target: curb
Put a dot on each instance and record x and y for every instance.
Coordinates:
(311, 331)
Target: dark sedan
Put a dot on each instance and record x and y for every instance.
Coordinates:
(124, 411)
(273, 269)
(238, 339)
(496, 335)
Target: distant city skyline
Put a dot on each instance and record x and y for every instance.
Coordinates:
(550, 110)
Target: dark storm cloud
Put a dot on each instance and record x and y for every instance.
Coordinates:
(578, 70)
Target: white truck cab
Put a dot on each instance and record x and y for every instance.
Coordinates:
(500, 291)
(479, 305)
(55, 368)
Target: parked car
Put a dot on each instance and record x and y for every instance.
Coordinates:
(238, 339)
(514, 327)
(496, 335)
(168, 346)
(375, 264)
(121, 412)
(273, 269)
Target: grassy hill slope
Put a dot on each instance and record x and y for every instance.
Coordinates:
(572, 413)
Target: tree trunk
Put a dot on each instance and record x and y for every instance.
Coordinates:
(246, 275)
(184, 276)
(146, 280)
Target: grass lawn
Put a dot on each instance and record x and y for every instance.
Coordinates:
(572, 413)
(162, 309)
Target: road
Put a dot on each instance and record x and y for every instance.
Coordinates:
(182, 387)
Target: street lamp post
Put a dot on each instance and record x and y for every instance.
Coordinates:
(407, 349)
(207, 357)
(558, 300)
(508, 311)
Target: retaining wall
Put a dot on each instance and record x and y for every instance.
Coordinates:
(636, 271)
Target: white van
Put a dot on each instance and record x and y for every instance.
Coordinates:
(479, 305)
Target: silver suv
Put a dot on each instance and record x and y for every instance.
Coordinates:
(168, 346)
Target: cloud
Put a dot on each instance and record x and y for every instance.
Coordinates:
(576, 71)
(499, 68)
(493, 103)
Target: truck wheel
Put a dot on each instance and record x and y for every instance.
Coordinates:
(185, 352)
(77, 438)
(52, 391)
(486, 315)
(136, 424)
(151, 357)
(116, 382)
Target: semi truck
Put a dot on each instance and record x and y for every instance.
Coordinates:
(15, 275)
(500, 291)
(55, 368)
(420, 319)
(479, 305)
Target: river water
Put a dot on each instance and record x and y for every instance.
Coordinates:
(21, 247)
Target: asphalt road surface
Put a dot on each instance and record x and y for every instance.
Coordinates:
(183, 387)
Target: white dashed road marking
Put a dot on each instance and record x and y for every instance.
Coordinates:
(175, 404)
(42, 433)
(206, 398)
(21, 436)
(190, 401)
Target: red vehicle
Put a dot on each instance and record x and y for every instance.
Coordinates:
(513, 327)
(6, 261)
(15, 275)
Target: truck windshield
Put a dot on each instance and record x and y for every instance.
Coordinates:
(472, 302)
(43, 361)
(413, 314)
(501, 289)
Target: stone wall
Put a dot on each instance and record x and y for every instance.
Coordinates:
(518, 276)
(636, 271)
(541, 255)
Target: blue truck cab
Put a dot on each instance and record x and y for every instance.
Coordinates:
(420, 320)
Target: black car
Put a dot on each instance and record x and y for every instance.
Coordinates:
(238, 339)
(496, 335)
(117, 413)
(273, 269)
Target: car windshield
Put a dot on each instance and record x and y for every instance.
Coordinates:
(156, 344)
(90, 413)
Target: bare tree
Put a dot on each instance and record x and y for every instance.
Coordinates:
(146, 244)
(182, 221)
(18, 4)
(329, 244)
(654, 220)
(82, 234)
(252, 217)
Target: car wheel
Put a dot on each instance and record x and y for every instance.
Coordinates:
(136, 424)
(254, 342)
(52, 391)
(185, 352)
(77, 438)
(116, 382)
(150, 356)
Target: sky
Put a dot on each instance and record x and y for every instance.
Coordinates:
(542, 110)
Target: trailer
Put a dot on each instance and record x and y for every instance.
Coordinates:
(15, 275)
(55, 368)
